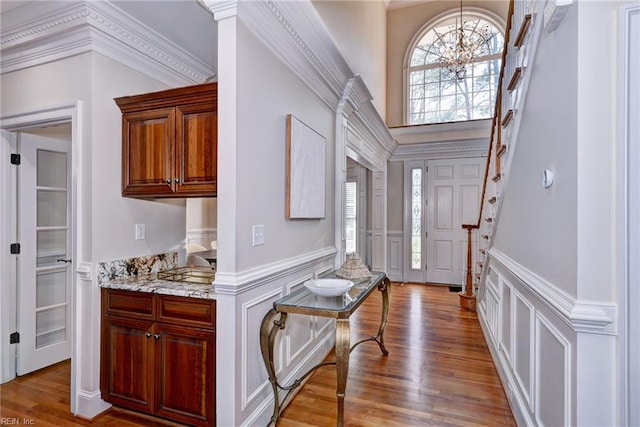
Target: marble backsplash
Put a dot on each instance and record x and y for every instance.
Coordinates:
(138, 266)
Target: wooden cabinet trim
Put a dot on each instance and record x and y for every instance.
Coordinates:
(194, 351)
(161, 332)
(207, 92)
(148, 153)
(139, 305)
(178, 157)
(125, 338)
(186, 311)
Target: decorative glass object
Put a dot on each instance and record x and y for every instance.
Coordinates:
(353, 268)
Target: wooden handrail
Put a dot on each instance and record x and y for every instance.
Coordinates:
(467, 297)
(496, 112)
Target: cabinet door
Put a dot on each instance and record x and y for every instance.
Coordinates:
(186, 375)
(147, 152)
(197, 149)
(128, 359)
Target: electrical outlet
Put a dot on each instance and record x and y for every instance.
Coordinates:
(258, 235)
(140, 232)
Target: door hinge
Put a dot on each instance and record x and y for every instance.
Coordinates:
(15, 159)
(14, 338)
(14, 248)
(426, 267)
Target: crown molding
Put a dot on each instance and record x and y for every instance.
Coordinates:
(296, 34)
(291, 30)
(356, 105)
(101, 27)
(431, 150)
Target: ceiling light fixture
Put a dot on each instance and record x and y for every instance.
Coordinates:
(464, 42)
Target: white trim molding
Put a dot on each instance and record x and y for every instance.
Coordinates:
(442, 140)
(243, 281)
(102, 27)
(445, 150)
(85, 271)
(90, 404)
(296, 34)
(581, 316)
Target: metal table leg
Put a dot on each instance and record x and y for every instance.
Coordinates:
(268, 331)
(342, 363)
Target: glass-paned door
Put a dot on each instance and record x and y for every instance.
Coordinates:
(44, 272)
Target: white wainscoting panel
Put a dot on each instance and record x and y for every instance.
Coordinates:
(542, 334)
(505, 318)
(321, 325)
(304, 342)
(492, 305)
(394, 255)
(254, 375)
(553, 392)
(523, 335)
(300, 329)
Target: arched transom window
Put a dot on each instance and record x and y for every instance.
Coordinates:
(438, 94)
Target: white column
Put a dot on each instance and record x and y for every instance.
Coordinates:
(227, 379)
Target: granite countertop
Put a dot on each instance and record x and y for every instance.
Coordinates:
(151, 283)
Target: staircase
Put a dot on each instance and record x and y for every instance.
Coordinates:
(517, 54)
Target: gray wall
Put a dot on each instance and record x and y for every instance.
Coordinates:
(359, 30)
(537, 227)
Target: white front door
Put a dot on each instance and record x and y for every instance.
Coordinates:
(44, 262)
(440, 196)
(454, 187)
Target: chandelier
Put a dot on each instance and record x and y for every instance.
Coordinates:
(464, 42)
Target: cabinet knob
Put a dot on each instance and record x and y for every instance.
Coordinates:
(148, 335)
(176, 180)
(168, 182)
(156, 336)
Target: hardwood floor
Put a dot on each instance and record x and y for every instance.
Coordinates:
(438, 372)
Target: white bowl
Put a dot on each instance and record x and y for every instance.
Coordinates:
(328, 287)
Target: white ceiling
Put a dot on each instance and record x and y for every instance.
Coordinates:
(397, 4)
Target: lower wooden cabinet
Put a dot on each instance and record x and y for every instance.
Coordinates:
(158, 355)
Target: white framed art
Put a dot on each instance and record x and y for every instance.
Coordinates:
(306, 174)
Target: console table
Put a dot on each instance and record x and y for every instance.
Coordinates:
(340, 308)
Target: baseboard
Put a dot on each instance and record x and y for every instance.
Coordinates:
(90, 404)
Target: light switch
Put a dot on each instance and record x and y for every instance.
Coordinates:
(140, 232)
(258, 235)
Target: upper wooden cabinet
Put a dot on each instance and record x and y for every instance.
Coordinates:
(170, 143)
